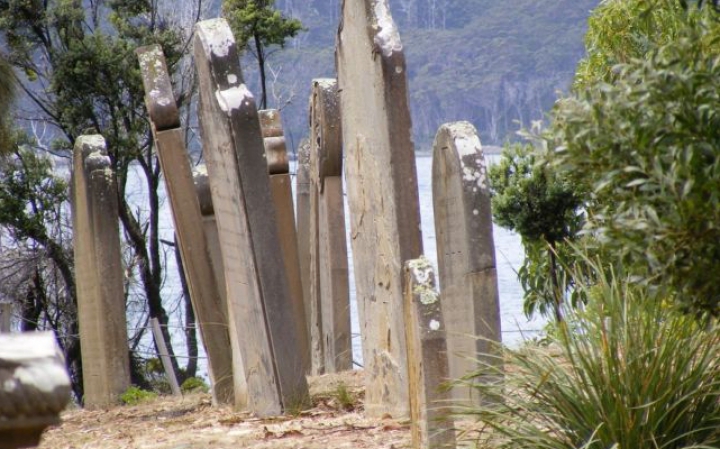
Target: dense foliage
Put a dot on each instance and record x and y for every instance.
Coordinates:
(532, 200)
(7, 96)
(647, 147)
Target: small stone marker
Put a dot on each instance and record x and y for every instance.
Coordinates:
(466, 253)
(328, 251)
(302, 221)
(34, 387)
(382, 192)
(261, 314)
(432, 426)
(205, 293)
(100, 291)
(281, 188)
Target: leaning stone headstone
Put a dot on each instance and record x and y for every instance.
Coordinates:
(302, 221)
(261, 315)
(205, 293)
(382, 191)
(466, 252)
(328, 251)
(281, 188)
(34, 387)
(432, 426)
(100, 291)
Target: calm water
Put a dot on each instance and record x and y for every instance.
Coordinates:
(509, 256)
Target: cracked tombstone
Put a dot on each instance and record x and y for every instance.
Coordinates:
(34, 387)
(382, 192)
(466, 254)
(205, 293)
(330, 291)
(280, 185)
(431, 425)
(302, 222)
(100, 291)
(261, 315)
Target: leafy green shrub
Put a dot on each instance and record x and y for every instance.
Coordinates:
(532, 199)
(135, 395)
(648, 146)
(194, 385)
(625, 372)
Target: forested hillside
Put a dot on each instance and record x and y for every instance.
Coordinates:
(490, 62)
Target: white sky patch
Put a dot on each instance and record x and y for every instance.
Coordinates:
(232, 98)
(386, 35)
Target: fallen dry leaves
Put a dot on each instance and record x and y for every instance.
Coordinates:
(191, 422)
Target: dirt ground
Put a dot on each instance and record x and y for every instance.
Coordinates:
(191, 422)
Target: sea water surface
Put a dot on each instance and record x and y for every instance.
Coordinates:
(508, 253)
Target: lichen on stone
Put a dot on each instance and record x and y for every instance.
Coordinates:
(423, 272)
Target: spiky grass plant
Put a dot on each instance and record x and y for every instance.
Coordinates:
(625, 372)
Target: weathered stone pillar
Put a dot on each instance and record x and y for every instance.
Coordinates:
(466, 252)
(34, 387)
(432, 426)
(328, 251)
(261, 314)
(100, 294)
(302, 209)
(205, 293)
(382, 192)
(280, 186)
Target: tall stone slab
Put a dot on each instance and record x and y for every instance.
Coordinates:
(281, 188)
(432, 426)
(100, 294)
(260, 309)
(328, 251)
(302, 222)
(466, 252)
(205, 293)
(382, 191)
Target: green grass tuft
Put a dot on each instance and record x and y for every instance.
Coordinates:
(626, 371)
